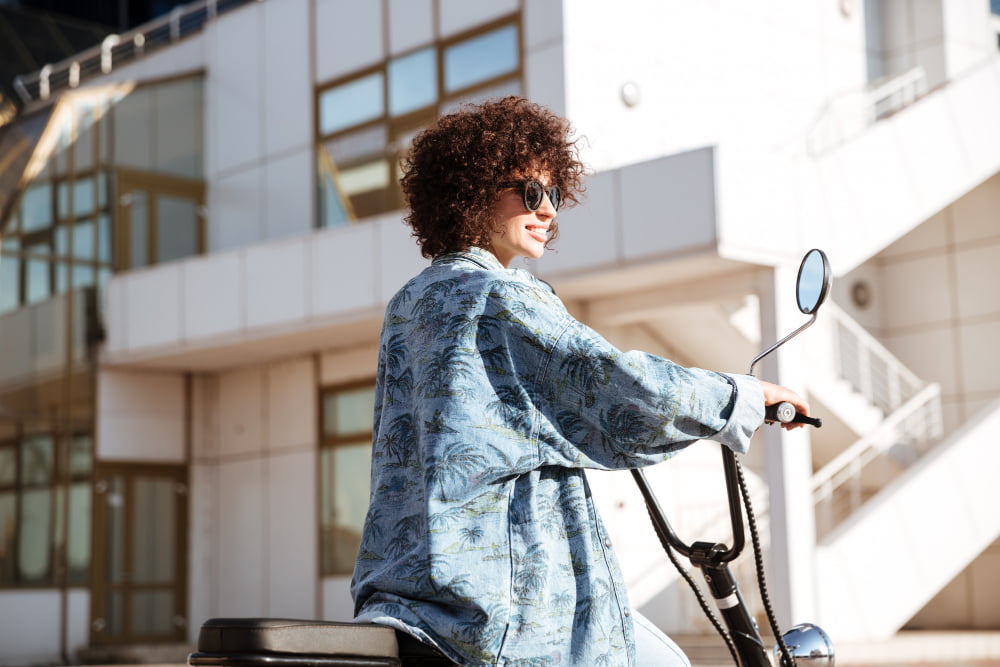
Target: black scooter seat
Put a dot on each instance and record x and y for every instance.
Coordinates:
(276, 642)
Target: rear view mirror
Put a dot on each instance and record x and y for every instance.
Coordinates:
(811, 289)
(813, 282)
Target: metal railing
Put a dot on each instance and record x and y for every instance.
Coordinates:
(912, 426)
(180, 23)
(868, 465)
(850, 113)
(870, 369)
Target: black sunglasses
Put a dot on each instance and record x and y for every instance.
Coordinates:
(534, 192)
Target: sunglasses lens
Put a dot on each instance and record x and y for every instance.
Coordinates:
(533, 194)
(555, 196)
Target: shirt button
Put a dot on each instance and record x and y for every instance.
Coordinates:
(627, 612)
(607, 542)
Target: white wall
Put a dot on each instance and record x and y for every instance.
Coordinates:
(253, 492)
(30, 631)
(266, 291)
(259, 124)
(140, 416)
(707, 73)
(937, 308)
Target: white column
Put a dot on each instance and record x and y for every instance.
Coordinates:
(787, 458)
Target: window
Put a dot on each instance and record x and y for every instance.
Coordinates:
(45, 491)
(83, 215)
(345, 470)
(365, 121)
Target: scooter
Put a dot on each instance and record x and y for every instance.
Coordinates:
(275, 642)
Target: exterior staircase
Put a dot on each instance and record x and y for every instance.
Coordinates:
(905, 508)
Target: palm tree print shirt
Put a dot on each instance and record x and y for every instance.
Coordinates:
(481, 536)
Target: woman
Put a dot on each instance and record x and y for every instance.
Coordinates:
(481, 538)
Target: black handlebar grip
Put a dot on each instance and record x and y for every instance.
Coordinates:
(785, 412)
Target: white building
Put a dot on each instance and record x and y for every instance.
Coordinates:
(216, 194)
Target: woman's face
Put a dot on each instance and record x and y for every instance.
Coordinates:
(519, 232)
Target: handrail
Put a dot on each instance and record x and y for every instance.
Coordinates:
(850, 113)
(868, 365)
(911, 420)
(843, 485)
(181, 22)
(877, 440)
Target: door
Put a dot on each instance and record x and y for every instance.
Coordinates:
(160, 218)
(140, 554)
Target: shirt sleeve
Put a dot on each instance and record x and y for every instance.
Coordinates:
(602, 407)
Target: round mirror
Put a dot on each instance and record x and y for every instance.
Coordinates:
(814, 281)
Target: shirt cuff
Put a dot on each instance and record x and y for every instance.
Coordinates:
(747, 413)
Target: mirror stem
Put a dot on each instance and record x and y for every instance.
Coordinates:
(781, 342)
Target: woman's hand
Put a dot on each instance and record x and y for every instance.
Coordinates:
(775, 393)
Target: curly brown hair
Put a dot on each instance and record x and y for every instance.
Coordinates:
(451, 174)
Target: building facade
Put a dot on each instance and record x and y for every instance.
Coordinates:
(201, 226)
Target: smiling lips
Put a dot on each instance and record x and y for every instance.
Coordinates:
(538, 232)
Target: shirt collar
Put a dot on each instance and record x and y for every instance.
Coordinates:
(483, 258)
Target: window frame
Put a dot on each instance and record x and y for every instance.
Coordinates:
(59, 485)
(330, 442)
(400, 128)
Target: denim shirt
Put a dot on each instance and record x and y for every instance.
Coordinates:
(481, 537)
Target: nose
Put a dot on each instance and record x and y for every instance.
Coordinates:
(547, 210)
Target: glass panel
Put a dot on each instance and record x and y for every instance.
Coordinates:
(501, 89)
(115, 611)
(78, 546)
(10, 282)
(345, 472)
(152, 613)
(83, 276)
(83, 239)
(481, 58)
(133, 118)
(62, 200)
(39, 282)
(333, 208)
(60, 239)
(81, 457)
(351, 103)
(63, 143)
(348, 412)
(36, 207)
(83, 152)
(102, 189)
(138, 217)
(37, 460)
(103, 276)
(178, 127)
(359, 144)
(34, 554)
(365, 177)
(62, 277)
(83, 197)
(8, 463)
(412, 82)
(176, 228)
(104, 238)
(114, 502)
(104, 135)
(153, 525)
(8, 527)
(59, 520)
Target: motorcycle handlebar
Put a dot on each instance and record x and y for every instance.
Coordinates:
(785, 413)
